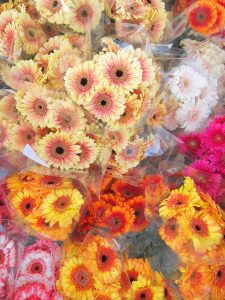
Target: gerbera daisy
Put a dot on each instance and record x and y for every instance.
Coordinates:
(54, 11)
(62, 206)
(122, 71)
(36, 266)
(21, 135)
(202, 16)
(185, 83)
(19, 181)
(32, 291)
(214, 136)
(7, 252)
(8, 16)
(137, 266)
(131, 155)
(191, 144)
(217, 159)
(26, 201)
(129, 117)
(155, 21)
(36, 106)
(106, 104)
(218, 281)
(204, 176)
(53, 182)
(76, 279)
(147, 66)
(107, 293)
(81, 80)
(69, 117)
(4, 133)
(118, 220)
(23, 75)
(8, 109)
(111, 199)
(203, 231)
(31, 34)
(86, 15)
(157, 114)
(97, 210)
(102, 258)
(89, 152)
(138, 205)
(59, 150)
(126, 190)
(144, 289)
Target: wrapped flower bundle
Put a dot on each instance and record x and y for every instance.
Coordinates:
(112, 143)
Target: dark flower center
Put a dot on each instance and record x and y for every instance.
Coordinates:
(198, 228)
(59, 150)
(84, 13)
(119, 73)
(103, 102)
(104, 258)
(143, 296)
(83, 81)
(55, 3)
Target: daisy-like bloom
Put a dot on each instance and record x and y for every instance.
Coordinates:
(7, 252)
(202, 16)
(97, 211)
(7, 17)
(144, 289)
(118, 220)
(203, 230)
(36, 106)
(155, 22)
(147, 66)
(204, 176)
(86, 15)
(214, 136)
(76, 279)
(131, 155)
(119, 139)
(23, 75)
(108, 293)
(102, 258)
(32, 291)
(218, 281)
(217, 159)
(180, 200)
(4, 133)
(81, 80)
(192, 144)
(195, 282)
(121, 71)
(137, 266)
(69, 117)
(138, 205)
(192, 115)
(126, 190)
(26, 201)
(21, 135)
(8, 109)
(129, 117)
(54, 11)
(18, 181)
(54, 182)
(106, 104)
(89, 152)
(31, 34)
(36, 266)
(59, 150)
(157, 114)
(185, 83)
(62, 206)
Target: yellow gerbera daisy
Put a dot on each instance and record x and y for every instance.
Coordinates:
(62, 206)
(109, 292)
(17, 181)
(102, 258)
(180, 200)
(76, 280)
(137, 266)
(144, 288)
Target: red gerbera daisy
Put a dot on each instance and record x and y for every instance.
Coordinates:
(126, 190)
(138, 205)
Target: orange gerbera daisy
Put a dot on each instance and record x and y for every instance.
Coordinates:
(111, 199)
(144, 289)
(195, 282)
(218, 282)
(118, 220)
(138, 206)
(220, 21)
(18, 181)
(203, 15)
(106, 182)
(101, 257)
(126, 190)
(137, 266)
(97, 210)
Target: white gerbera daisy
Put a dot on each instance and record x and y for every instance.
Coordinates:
(185, 83)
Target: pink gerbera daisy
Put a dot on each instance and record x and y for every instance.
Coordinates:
(7, 17)
(89, 152)
(204, 177)
(147, 66)
(52, 45)
(11, 42)
(7, 252)
(22, 135)
(192, 144)
(8, 109)
(217, 159)
(23, 75)
(214, 136)
(81, 80)
(59, 150)
(32, 291)
(121, 71)
(4, 135)
(105, 104)
(69, 117)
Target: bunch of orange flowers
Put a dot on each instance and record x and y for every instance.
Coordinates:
(50, 205)
(193, 225)
(94, 270)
